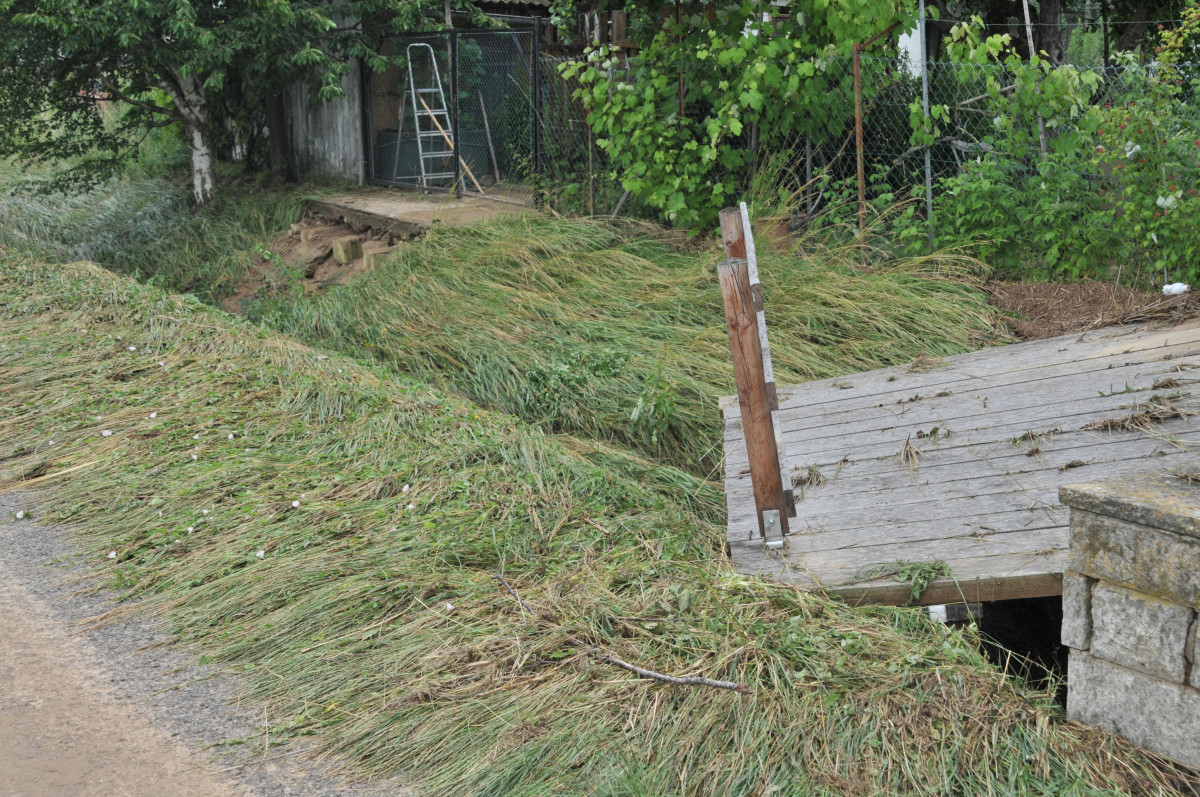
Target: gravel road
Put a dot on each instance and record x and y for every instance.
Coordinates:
(115, 711)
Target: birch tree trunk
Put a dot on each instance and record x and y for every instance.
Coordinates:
(187, 91)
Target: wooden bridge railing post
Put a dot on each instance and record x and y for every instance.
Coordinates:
(742, 316)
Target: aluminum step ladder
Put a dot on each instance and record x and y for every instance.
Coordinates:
(431, 116)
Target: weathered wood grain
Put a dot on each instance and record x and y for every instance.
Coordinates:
(975, 499)
(985, 578)
(1015, 394)
(961, 467)
(998, 366)
(943, 435)
(760, 440)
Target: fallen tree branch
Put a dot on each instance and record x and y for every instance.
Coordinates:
(658, 676)
(513, 592)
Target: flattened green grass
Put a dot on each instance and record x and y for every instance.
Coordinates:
(380, 629)
(145, 227)
(612, 333)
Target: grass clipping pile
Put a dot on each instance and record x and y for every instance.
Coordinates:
(335, 533)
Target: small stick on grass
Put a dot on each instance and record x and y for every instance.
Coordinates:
(513, 592)
(690, 681)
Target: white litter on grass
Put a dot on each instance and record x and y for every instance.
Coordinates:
(449, 607)
(1168, 201)
(160, 513)
(50, 443)
(112, 554)
(195, 437)
(410, 506)
(20, 514)
(133, 348)
(305, 545)
(162, 364)
(261, 554)
(204, 511)
(231, 435)
(106, 433)
(304, 495)
(154, 415)
(194, 457)
(339, 370)
(406, 488)
(191, 529)
(295, 504)
(1175, 289)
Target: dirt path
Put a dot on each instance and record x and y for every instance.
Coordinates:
(116, 711)
(63, 732)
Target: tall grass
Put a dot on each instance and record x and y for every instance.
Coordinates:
(145, 226)
(607, 331)
(368, 615)
(616, 334)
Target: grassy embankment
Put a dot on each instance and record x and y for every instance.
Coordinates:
(142, 225)
(607, 332)
(381, 629)
(615, 334)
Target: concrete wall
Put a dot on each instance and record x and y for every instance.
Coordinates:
(1130, 599)
(326, 137)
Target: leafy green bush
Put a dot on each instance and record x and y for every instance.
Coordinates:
(1106, 189)
(686, 122)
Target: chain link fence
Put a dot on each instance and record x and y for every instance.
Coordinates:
(489, 113)
(457, 114)
(893, 87)
(485, 113)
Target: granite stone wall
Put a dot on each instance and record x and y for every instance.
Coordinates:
(1130, 599)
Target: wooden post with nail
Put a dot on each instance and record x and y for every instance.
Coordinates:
(742, 317)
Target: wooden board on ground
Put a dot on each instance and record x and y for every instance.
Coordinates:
(960, 461)
(407, 212)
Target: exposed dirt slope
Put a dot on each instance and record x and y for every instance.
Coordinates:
(1036, 310)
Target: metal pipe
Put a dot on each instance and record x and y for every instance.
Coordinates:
(487, 130)
(858, 143)
(454, 120)
(534, 105)
(925, 106)
(1037, 88)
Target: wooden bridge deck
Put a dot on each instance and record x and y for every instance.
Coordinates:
(960, 460)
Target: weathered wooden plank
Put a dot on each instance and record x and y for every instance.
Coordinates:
(972, 477)
(999, 512)
(985, 578)
(989, 367)
(1035, 580)
(881, 513)
(982, 400)
(963, 545)
(760, 442)
(864, 519)
(951, 434)
(975, 500)
(1036, 399)
(834, 516)
(955, 465)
